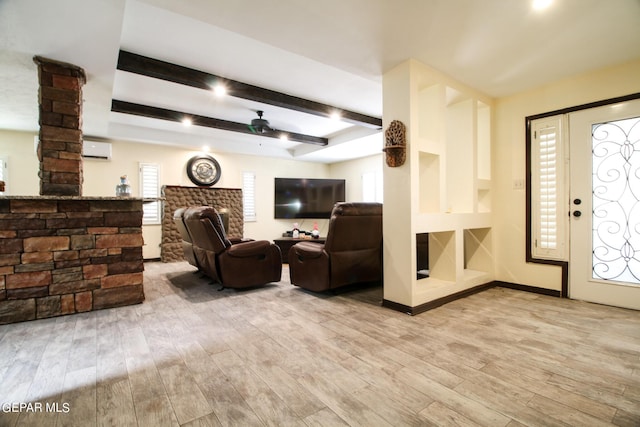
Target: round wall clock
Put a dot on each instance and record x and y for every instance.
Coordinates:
(203, 170)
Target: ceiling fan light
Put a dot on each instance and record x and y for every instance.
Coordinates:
(260, 125)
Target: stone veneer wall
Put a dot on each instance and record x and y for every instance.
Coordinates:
(63, 255)
(60, 146)
(176, 197)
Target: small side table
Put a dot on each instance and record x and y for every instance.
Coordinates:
(285, 243)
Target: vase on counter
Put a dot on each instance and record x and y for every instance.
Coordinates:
(123, 189)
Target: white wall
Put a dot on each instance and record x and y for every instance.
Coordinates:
(352, 171)
(19, 149)
(101, 178)
(509, 162)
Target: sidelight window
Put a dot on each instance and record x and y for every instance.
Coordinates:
(548, 189)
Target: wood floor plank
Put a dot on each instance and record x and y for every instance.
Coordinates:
(347, 407)
(295, 396)
(187, 400)
(115, 406)
(228, 405)
(612, 401)
(243, 379)
(469, 408)
(144, 379)
(441, 415)
(566, 414)
(626, 419)
(324, 417)
(155, 412)
(272, 410)
(422, 367)
(80, 396)
(394, 388)
(513, 409)
(568, 398)
(48, 379)
(392, 409)
(209, 420)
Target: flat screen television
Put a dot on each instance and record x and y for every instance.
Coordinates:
(306, 197)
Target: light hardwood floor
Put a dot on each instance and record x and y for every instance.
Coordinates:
(277, 355)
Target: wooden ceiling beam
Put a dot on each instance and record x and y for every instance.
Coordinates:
(155, 68)
(124, 107)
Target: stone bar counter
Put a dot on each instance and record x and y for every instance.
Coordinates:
(68, 254)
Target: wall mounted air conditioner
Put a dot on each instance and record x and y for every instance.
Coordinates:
(96, 150)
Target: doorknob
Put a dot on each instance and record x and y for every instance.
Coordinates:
(577, 214)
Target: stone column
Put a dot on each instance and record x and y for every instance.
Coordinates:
(60, 146)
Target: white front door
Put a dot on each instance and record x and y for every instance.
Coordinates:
(604, 201)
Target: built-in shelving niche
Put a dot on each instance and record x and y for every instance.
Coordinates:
(436, 255)
(478, 259)
(422, 255)
(454, 147)
(429, 183)
(460, 142)
(441, 258)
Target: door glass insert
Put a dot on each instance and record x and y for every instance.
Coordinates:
(616, 201)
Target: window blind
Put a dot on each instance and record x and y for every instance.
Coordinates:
(150, 189)
(548, 198)
(249, 196)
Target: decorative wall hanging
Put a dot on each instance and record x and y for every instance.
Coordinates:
(203, 170)
(396, 144)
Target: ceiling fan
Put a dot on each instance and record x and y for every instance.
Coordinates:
(260, 125)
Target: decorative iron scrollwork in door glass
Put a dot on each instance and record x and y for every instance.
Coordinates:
(616, 201)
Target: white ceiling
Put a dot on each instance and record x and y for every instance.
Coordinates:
(334, 52)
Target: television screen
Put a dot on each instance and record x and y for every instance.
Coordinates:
(307, 198)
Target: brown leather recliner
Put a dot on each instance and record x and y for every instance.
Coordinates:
(187, 243)
(240, 265)
(351, 254)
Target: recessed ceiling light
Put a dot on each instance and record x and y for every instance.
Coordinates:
(335, 115)
(541, 4)
(220, 90)
(205, 148)
(186, 121)
(284, 137)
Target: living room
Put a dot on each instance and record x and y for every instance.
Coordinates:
(498, 219)
(504, 158)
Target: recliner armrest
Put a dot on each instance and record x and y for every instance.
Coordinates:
(308, 250)
(236, 240)
(249, 249)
